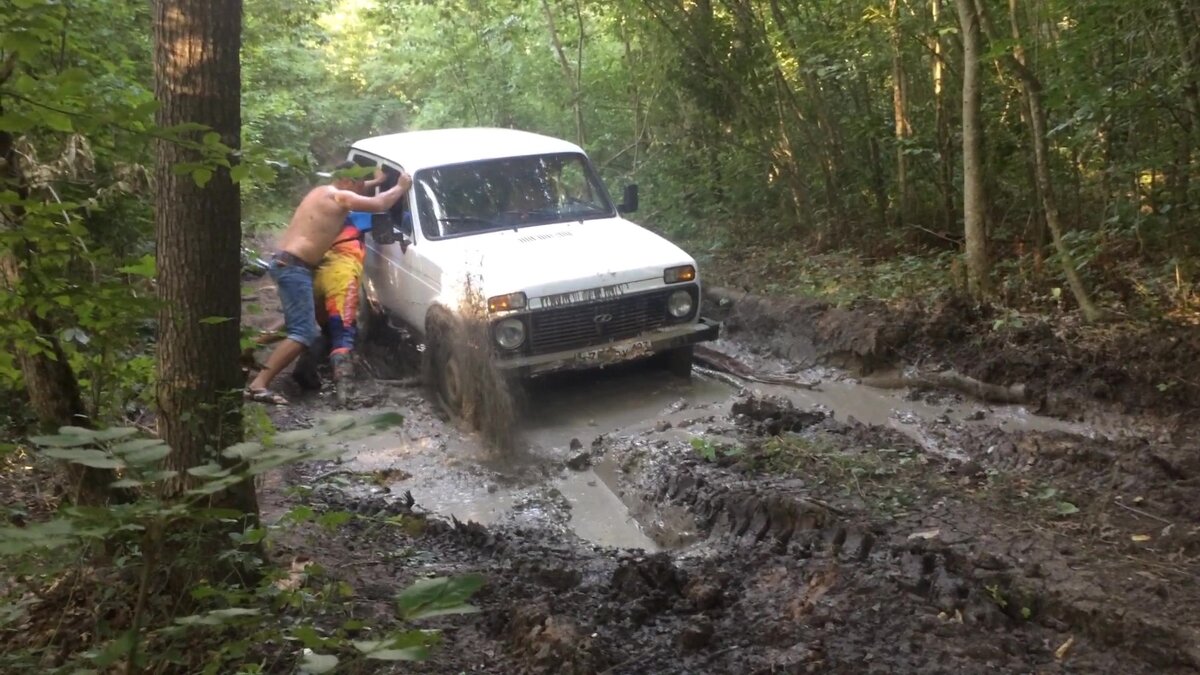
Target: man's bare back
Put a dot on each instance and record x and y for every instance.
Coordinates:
(323, 211)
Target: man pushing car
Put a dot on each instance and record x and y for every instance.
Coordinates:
(315, 228)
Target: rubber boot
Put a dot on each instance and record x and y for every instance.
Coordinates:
(343, 377)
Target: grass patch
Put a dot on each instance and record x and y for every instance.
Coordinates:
(889, 480)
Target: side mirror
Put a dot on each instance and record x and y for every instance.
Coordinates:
(629, 203)
(383, 228)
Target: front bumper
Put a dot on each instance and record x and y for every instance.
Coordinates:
(598, 356)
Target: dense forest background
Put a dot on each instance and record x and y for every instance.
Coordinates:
(809, 147)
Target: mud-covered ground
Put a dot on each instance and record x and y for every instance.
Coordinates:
(646, 524)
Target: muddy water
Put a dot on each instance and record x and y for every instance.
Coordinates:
(452, 473)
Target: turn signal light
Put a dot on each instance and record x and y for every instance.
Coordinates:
(504, 303)
(674, 275)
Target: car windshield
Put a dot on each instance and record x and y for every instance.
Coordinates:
(508, 193)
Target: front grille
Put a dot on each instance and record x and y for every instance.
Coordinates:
(576, 326)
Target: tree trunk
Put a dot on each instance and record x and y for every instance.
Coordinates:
(197, 236)
(50, 382)
(1186, 33)
(572, 78)
(942, 122)
(903, 128)
(1032, 90)
(974, 199)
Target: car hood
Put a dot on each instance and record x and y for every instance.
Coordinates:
(544, 260)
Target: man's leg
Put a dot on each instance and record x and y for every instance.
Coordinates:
(296, 297)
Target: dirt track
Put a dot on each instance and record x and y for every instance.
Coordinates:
(845, 530)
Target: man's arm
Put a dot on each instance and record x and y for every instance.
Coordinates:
(380, 202)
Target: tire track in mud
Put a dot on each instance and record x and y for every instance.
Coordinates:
(989, 575)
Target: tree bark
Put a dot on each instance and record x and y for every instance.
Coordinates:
(903, 129)
(1187, 33)
(573, 78)
(941, 121)
(974, 198)
(1031, 88)
(197, 237)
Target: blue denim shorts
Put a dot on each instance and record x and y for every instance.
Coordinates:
(295, 284)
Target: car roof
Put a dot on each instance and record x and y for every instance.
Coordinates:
(416, 150)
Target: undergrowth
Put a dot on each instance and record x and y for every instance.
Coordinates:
(173, 585)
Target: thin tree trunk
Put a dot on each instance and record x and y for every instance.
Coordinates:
(942, 122)
(572, 77)
(974, 198)
(903, 129)
(198, 238)
(1032, 90)
(1187, 33)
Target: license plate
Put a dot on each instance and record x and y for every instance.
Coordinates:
(625, 351)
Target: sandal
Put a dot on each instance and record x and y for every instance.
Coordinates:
(264, 396)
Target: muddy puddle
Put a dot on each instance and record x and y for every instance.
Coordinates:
(554, 481)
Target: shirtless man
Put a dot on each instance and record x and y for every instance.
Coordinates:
(314, 228)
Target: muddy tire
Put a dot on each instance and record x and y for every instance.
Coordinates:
(443, 370)
(679, 361)
(372, 323)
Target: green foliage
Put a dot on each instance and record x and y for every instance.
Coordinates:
(711, 452)
(261, 614)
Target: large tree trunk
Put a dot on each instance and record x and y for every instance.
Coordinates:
(198, 235)
(974, 199)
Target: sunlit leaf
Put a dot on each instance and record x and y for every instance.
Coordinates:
(318, 663)
(439, 596)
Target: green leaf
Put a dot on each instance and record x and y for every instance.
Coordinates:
(210, 320)
(202, 176)
(334, 519)
(239, 172)
(135, 445)
(145, 267)
(125, 483)
(92, 458)
(215, 486)
(1065, 508)
(57, 121)
(439, 596)
(15, 122)
(114, 433)
(114, 650)
(148, 456)
(243, 450)
(318, 663)
(209, 470)
(60, 441)
(409, 646)
(217, 616)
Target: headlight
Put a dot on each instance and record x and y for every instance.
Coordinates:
(503, 303)
(680, 304)
(510, 333)
(674, 275)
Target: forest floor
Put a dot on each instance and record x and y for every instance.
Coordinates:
(650, 524)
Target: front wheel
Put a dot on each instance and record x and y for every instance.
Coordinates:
(444, 370)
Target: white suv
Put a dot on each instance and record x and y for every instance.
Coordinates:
(521, 223)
